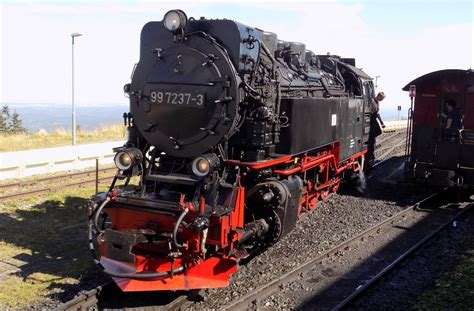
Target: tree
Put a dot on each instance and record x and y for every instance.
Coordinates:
(4, 115)
(16, 124)
(10, 123)
(6, 111)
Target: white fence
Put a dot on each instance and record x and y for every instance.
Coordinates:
(43, 161)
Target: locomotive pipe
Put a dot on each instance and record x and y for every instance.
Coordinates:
(226, 185)
(112, 185)
(176, 226)
(325, 85)
(97, 213)
(144, 275)
(203, 241)
(309, 165)
(315, 76)
(202, 205)
(312, 76)
(278, 93)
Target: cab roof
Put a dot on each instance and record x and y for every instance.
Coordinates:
(435, 75)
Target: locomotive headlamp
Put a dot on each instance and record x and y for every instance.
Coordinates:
(175, 20)
(204, 164)
(128, 158)
(201, 167)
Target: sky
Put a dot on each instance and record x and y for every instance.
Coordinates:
(394, 40)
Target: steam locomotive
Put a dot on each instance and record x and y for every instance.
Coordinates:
(232, 134)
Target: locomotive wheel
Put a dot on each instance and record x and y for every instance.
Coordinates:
(276, 228)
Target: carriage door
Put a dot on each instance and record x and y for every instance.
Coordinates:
(447, 149)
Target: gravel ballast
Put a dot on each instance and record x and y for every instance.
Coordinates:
(357, 207)
(341, 217)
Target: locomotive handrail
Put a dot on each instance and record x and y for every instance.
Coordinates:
(183, 83)
(176, 178)
(409, 131)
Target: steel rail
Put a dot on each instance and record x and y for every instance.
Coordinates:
(388, 150)
(268, 288)
(379, 163)
(90, 300)
(392, 135)
(362, 289)
(46, 179)
(51, 189)
(84, 300)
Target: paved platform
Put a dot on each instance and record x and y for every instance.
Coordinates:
(395, 125)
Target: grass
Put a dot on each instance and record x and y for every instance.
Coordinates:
(58, 137)
(43, 247)
(454, 290)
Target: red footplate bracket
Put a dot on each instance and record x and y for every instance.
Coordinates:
(210, 273)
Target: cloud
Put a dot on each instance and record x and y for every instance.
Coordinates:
(424, 50)
(35, 42)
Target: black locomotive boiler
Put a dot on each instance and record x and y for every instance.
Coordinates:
(232, 134)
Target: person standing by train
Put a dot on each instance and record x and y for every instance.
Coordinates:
(453, 120)
(376, 126)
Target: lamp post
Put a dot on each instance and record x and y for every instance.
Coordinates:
(73, 35)
(376, 80)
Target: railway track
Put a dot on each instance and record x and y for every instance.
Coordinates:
(389, 144)
(372, 281)
(43, 185)
(33, 182)
(108, 296)
(84, 301)
(255, 299)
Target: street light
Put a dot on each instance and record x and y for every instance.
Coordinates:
(73, 35)
(376, 79)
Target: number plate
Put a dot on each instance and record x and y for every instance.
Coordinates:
(179, 98)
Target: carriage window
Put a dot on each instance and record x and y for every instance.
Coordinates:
(367, 89)
(451, 117)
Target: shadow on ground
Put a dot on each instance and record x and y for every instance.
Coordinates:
(45, 246)
(403, 293)
(386, 182)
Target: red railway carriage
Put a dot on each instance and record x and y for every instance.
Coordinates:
(441, 145)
